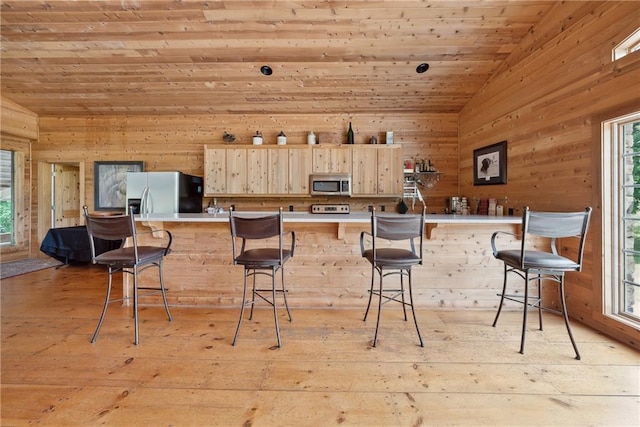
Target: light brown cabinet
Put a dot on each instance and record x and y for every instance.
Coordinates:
(336, 159)
(236, 171)
(377, 170)
(256, 168)
(300, 167)
(284, 171)
(390, 170)
(278, 171)
(215, 171)
(364, 174)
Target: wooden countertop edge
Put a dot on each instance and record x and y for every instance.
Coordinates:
(302, 217)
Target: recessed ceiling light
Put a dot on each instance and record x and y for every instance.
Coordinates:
(422, 68)
(266, 70)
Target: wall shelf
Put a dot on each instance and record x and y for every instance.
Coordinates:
(423, 179)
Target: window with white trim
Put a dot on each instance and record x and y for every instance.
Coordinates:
(621, 217)
(629, 45)
(7, 196)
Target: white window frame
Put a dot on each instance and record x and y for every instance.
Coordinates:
(612, 206)
(627, 46)
(10, 171)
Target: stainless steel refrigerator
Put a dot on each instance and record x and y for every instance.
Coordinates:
(164, 192)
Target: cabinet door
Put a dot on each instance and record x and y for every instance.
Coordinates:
(215, 171)
(332, 160)
(236, 171)
(300, 167)
(256, 169)
(278, 171)
(365, 168)
(390, 170)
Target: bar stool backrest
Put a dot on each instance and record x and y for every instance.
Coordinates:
(556, 225)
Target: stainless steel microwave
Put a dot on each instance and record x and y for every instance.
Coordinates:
(330, 184)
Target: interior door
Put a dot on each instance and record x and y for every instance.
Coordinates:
(66, 195)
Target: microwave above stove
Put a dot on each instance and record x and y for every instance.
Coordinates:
(330, 184)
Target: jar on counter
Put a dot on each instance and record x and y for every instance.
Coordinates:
(453, 208)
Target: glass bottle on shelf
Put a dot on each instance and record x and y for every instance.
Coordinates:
(350, 134)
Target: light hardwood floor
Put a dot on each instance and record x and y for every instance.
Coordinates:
(186, 373)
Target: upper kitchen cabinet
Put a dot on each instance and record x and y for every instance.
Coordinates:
(300, 167)
(278, 171)
(365, 170)
(284, 171)
(390, 170)
(236, 171)
(257, 170)
(332, 159)
(215, 171)
(377, 170)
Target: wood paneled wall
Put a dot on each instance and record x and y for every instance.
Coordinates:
(177, 142)
(547, 101)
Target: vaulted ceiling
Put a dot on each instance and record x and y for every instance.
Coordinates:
(205, 57)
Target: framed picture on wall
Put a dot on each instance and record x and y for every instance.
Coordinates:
(490, 164)
(110, 183)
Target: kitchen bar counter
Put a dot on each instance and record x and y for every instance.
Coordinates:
(328, 269)
(431, 220)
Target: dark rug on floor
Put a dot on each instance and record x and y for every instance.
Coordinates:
(16, 268)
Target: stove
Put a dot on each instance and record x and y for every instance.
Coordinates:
(330, 208)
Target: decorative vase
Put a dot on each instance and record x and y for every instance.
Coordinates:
(282, 138)
(311, 138)
(257, 138)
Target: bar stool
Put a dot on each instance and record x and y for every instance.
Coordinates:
(263, 260)
(131, 259)
(388, 261)
(539, 265)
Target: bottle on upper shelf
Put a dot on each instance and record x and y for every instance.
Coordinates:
(350, 135)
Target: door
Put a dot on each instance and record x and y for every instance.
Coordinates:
(66, 195)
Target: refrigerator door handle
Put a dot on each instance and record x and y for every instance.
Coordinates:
(144, 201)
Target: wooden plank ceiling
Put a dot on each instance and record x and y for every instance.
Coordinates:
(204, 57)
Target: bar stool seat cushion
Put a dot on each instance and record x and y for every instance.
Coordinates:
(263, 256)
(537, 259)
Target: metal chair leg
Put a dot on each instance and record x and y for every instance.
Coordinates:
(375, 337)
(135, 304)
(274, 303)
(539, 282)
(526, 310)
(253, 292)
(244, 304)
(404, 304)
(164, 291)
(415, 319)
(104, 309)
(566, 317)
(284, 295)
(370, 292)
(504, 289)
